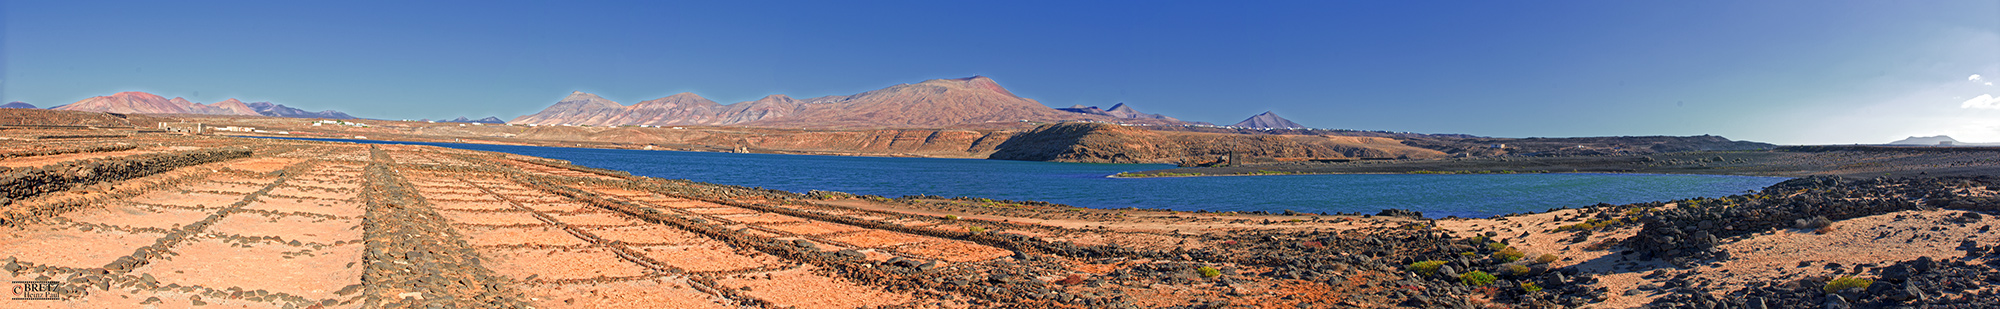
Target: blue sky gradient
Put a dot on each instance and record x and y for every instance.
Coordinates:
(1791, 72)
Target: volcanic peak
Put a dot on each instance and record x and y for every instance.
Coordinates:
(687, 99)
(1268, 120)
(974, 82)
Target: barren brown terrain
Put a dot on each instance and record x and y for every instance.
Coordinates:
(316, 224)
(121, 217)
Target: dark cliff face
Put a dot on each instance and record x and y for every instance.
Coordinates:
(1108, 143)
(1045, 143)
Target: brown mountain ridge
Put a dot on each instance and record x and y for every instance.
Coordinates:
(135, 102)
(929, 104)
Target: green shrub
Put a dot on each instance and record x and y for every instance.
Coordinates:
(1847, 282)
(1530, 287)
(1546, 258)
(1591, 224)
(976, 229)
(1476, 278)
(1496, 246)
(1427, 268)
(1517, 270)
(1574, 227)
(1209, 272)
(951, 217)
(1508, 255)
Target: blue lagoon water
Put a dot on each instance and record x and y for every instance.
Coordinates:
(1085, 185)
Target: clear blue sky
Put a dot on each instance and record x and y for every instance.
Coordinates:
(1794, 72)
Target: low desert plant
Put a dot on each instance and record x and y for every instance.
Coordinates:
(1476, 278)
(1546, 258)
(1847, 282)
(976, 229)
(1508, 255)
(951, 217)
(1601, 245)
(1530, 287)
(1517, 270)
(1814, 223)
(1496, 246)
(1209, 272)
(1427, 268)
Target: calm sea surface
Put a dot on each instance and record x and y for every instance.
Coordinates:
(1085, 185)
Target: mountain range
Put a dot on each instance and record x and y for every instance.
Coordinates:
(1119, 110)
(134, 102)
(1267, 120)
(936, 103)
(1935, 141)
(17, 104)
(932, 103)
(280, 110)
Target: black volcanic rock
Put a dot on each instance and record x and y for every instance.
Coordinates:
(18, 104)
(1405, 213)
(280, 110)
(1267, 120)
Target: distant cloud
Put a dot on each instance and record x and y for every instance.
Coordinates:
(1984, 101)
(1974, 78)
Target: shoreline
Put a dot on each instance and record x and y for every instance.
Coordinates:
(1363, 206)
(1790, 161)
(1365, 173)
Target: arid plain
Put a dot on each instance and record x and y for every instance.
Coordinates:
(122, 215)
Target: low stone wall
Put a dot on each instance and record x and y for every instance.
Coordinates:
(24, 183)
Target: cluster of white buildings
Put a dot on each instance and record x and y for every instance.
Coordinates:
(248, 130)
(339, 123)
